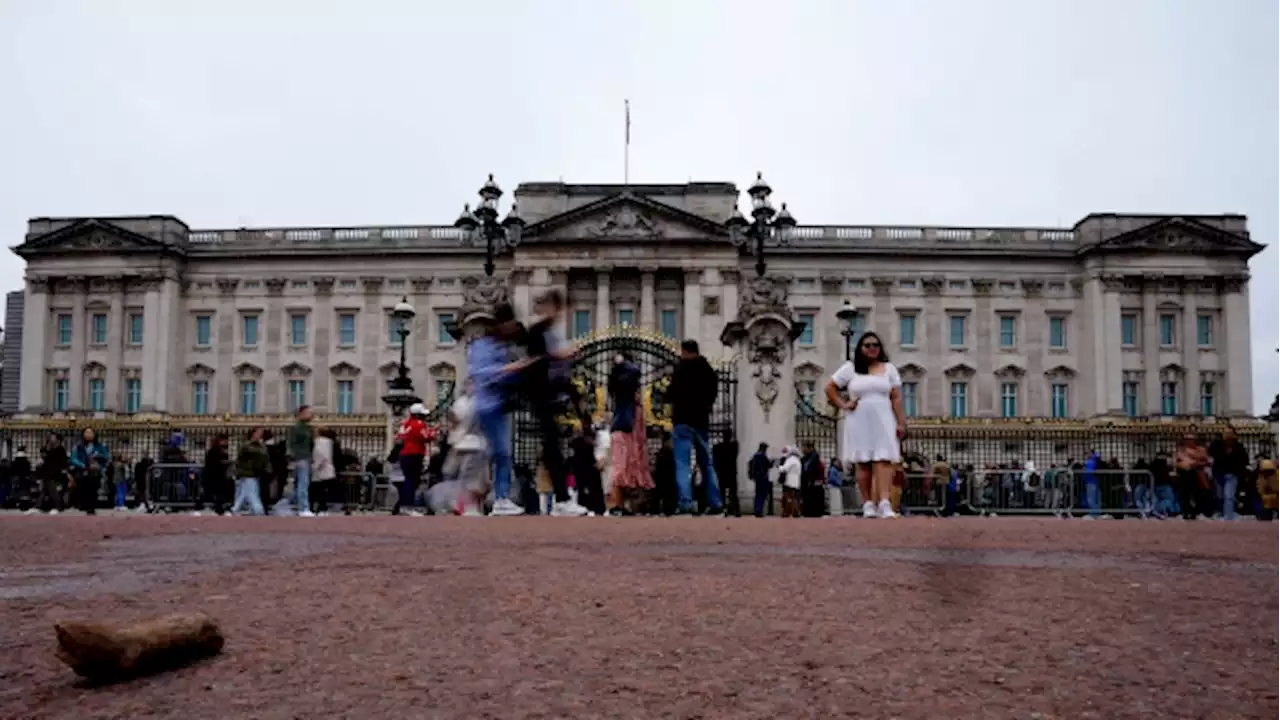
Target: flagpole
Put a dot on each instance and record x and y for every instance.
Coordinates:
(626, 145)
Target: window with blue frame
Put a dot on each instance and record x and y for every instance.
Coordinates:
(907, 330)
(132, 395)
(1168, 329)
(806, 335)
(1169, 398)
(1058, 397)
(910, 404)
(1008, 400)
(1058, 333)
(347, 330)
(581, 323)
(63, 336)
(1128, 329)
(1208, 398)
(250, 330)
(959, 399)
(394, 324)
(1204, 330)
(297, 394)
(346, 397)
(298, 329)
(248, 397)
(135, 329)
(1008, 332)
(627, 317)
(204, 330)
(99, 326)
(957, 330)
(200, 397)
(61, 395)
(669, 324)
(1130, 394)
(97, 395)
(443, 322)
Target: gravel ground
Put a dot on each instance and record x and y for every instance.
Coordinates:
(379, 617)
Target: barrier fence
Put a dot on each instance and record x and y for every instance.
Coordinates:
(1056, 491)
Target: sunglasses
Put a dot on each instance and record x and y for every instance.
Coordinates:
(870, 346)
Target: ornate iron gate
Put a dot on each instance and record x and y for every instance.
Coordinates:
(656, 355)
(814, 426)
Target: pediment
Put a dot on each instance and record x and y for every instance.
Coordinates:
(295, 369)
(808, 371)
(625, 217)
(200, 370)
(344, 369)
(1060, 371)
(442, 370)
(1180, 235)
(1010, 371)
(389, 367)
(248, 370)
(959, 371)
(911, 370)
(90, 236)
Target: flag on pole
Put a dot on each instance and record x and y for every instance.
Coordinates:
(627, 105)
(626, 145)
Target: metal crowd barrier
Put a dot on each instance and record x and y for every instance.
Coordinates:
(1057, 491)
(172, 486)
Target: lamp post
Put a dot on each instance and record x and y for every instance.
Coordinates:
(498, 236)
(400, 394)
(847, 315)
(764, 220)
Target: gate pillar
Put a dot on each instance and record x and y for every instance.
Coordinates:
(763, 336)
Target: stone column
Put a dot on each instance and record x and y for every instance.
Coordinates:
(1111, 378)
(153, 341)
(603, 319)
(271, 393)
(34, 382)
(322, 342)
(424, 338)
(169, 355)
(1095, 330)
(1190, 400)
(224, 388)
(79, 342)
(692, 304)
(116, 337)
(648, 319)
(373, 329)
(1034, 328)
(1235, 344)
(1150, 340)
(521, 294)
(936, 334)
(729, 278)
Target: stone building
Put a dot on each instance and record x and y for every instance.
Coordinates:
(1136, 315)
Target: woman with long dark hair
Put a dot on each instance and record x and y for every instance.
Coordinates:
(629, 473)
(874, 421)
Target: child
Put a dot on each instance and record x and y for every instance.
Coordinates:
(1268, 489)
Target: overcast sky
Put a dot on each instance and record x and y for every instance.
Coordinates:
(1008, 112)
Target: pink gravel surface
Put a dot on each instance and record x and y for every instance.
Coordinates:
(379, 617)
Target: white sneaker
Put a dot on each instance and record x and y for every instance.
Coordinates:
(121, 508)
(306, 513)
(571, 508)
(506, 507)
(53, 511)
(886, 509)
(31, 511)
(472, 511)
(195, 513)
(324, 514)
(868, 509)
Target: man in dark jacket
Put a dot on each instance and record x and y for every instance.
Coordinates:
(758, 472)
(693, 389)
(725, 457)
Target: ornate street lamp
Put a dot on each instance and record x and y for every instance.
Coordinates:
(401, 395)
(847, 315)
(498, 236)
(763, 223)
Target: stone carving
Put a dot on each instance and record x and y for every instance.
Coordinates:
(227, 286)
(146, 283)
(767, 343)
(627, 224)
(763, 296)
(95, 370)
(421, 283)
(982, 286)
(344, 370)
(730, 276)
(1032, 286)
(1060, 372)
(247, 370)
(932, 285)
(131, 373)
(959, 371)
(832, 284)
(1010, 372)
(1113, 283)
(1234, 283)
(200, 371)
(372, 284)
(296, 370)
(711, 305)
(480, 295)
(519, 277)
(882, 285)
(911, 371)
(323, 284)
(38, 285)
(275, 286)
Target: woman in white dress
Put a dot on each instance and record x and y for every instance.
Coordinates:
(874, 421)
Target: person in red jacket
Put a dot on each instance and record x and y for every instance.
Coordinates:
(413, 438)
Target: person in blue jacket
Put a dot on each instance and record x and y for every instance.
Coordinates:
(89, 460)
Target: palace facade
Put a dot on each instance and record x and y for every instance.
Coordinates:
(1124, 315)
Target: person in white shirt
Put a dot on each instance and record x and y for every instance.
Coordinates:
(790, 472)
(472, 458)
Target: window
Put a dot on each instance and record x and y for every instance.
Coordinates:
(1058, 333)
(806, 335)
(955, 284)
(1169, 397)
(64, 329)
(1008, 399)
(204, 330)
(910, 405)
(346, 330)
(907, 330)
(346, 397)
(808, 391)
(959, 399)
(132, 395)
(1128, 329)
(907, 284)
(1129, 391)
(581, 323)
(957, 330)
(200, 397)
(857, 284)
(1204, 331)
(444, 389)
(1058, 406)
(394, 325)
(1168, 329)
(347, 284)
(1208, 398)
(250, 334)
(135, 329)
(97, 395)
(1006, 286)
(252, 284)
(297, 394)
(99, 336)
(61, 395)
(627, 317)
(299, 284)
(298, 329)
(248, 397)
(1008, 332)
(443, 322)
(667, 324)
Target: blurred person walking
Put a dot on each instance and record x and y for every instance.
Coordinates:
(253, 463)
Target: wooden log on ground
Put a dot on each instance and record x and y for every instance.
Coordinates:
(100, 651)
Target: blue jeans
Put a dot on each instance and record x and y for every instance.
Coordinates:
(496, 428)
(1142, 498)
(1166, 500)
(122, 492)
(764, 489)
(1228, 484)
(247, 495)
(683, 439)
(302, 484)
(1092, 498)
